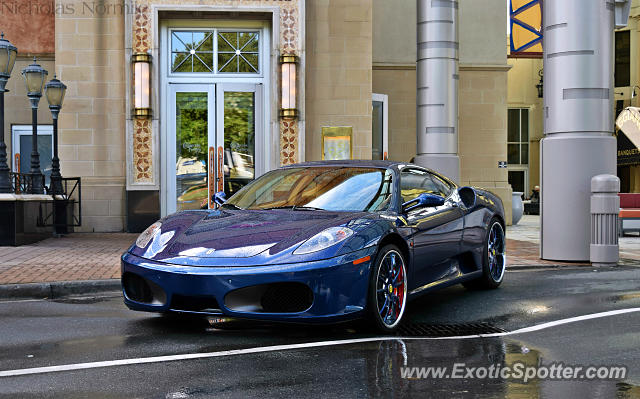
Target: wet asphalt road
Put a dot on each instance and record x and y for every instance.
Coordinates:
(70, 331)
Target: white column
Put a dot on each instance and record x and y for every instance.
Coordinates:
(578, 120)
(437, 91)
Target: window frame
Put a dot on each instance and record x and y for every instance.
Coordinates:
(19, 130)
(520, 142)
(627, 55)
(525, 170)
(262, 52)
(384, 99)
(431, 176)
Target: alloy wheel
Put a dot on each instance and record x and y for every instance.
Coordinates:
(496, 253)
(391, 289)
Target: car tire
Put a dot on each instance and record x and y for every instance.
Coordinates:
(387, 298)
(494, 259)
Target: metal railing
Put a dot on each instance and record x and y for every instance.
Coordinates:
(66, 209)
(22, 183)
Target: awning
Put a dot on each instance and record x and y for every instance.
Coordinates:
(629, 136)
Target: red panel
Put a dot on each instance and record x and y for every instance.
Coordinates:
(220, 169)
(629, 213)
(30, 25)
(628, 201)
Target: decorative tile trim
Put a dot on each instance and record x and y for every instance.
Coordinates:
(289, 142)
(289, 30)
(141, 28)
(289, 45)
(142, 31)
(142, 152)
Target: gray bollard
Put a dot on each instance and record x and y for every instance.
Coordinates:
(605, 206)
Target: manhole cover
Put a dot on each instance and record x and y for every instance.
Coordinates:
(446, 330)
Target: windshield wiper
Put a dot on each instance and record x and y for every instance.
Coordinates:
(232, 206)
(294, 208)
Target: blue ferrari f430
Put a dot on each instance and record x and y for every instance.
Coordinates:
(320, 242)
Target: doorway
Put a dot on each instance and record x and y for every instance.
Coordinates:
(214, 128)
(215, 131)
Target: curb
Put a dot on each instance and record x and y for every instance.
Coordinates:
(58, 289)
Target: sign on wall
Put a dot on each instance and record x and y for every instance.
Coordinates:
(337, 143)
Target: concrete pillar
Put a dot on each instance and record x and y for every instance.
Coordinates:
(437, 79)
(578, 120)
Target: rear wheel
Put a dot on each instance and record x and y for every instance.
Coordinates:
(388, 289)
(494, 258)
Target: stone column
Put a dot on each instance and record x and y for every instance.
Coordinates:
(437, 81)
(578, 120)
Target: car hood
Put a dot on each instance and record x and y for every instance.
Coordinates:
(238, 233)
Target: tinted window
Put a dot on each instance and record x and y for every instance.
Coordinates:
(328, 188)
(414, 182)
(622, 72)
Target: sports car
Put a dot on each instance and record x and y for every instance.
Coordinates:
(320, 242)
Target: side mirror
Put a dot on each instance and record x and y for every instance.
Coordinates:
(220, 198)
(421, 200)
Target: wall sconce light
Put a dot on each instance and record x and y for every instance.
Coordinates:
(142, 85)
(289, 67)
(540, 85)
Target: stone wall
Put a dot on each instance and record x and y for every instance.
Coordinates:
(89, 60)
(338, 72)
(399, 83)
(483, 130)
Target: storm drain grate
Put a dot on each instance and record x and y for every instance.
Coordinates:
(446, 330)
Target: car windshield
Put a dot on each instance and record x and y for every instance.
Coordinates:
(325, 188)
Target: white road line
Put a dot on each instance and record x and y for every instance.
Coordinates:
(274, 348)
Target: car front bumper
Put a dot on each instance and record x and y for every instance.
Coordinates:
(338, 286)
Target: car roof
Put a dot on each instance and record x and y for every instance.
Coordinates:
(366, 163)
(349, 162)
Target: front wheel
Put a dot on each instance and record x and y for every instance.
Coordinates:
(494, 258)
(388, 289)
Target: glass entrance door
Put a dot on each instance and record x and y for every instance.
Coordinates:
(211, 143)
(240, 126)
(191, 117)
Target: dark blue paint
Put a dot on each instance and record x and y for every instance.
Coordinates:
(423, 200)
(212, 252)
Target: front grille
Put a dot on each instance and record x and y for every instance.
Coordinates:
(137, 288)
(194, 303)
(446, 330)
(286, 298)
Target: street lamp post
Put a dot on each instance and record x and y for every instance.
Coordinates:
(34, 77)
(8, 53)
(54, 91)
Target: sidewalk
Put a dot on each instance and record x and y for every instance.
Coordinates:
(80, 256)
(523, 246)
(92, 260)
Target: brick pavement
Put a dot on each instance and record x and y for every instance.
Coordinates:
(96, 256)
(79, 256)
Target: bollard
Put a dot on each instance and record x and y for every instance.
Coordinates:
(605, 206)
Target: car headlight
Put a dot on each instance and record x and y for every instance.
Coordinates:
(147, 235)
(324, 239)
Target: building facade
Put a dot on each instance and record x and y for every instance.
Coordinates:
(219, 111)
(525, 109)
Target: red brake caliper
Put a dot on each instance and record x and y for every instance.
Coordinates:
(399, 292)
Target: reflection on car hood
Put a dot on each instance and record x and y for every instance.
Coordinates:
(242, 233)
